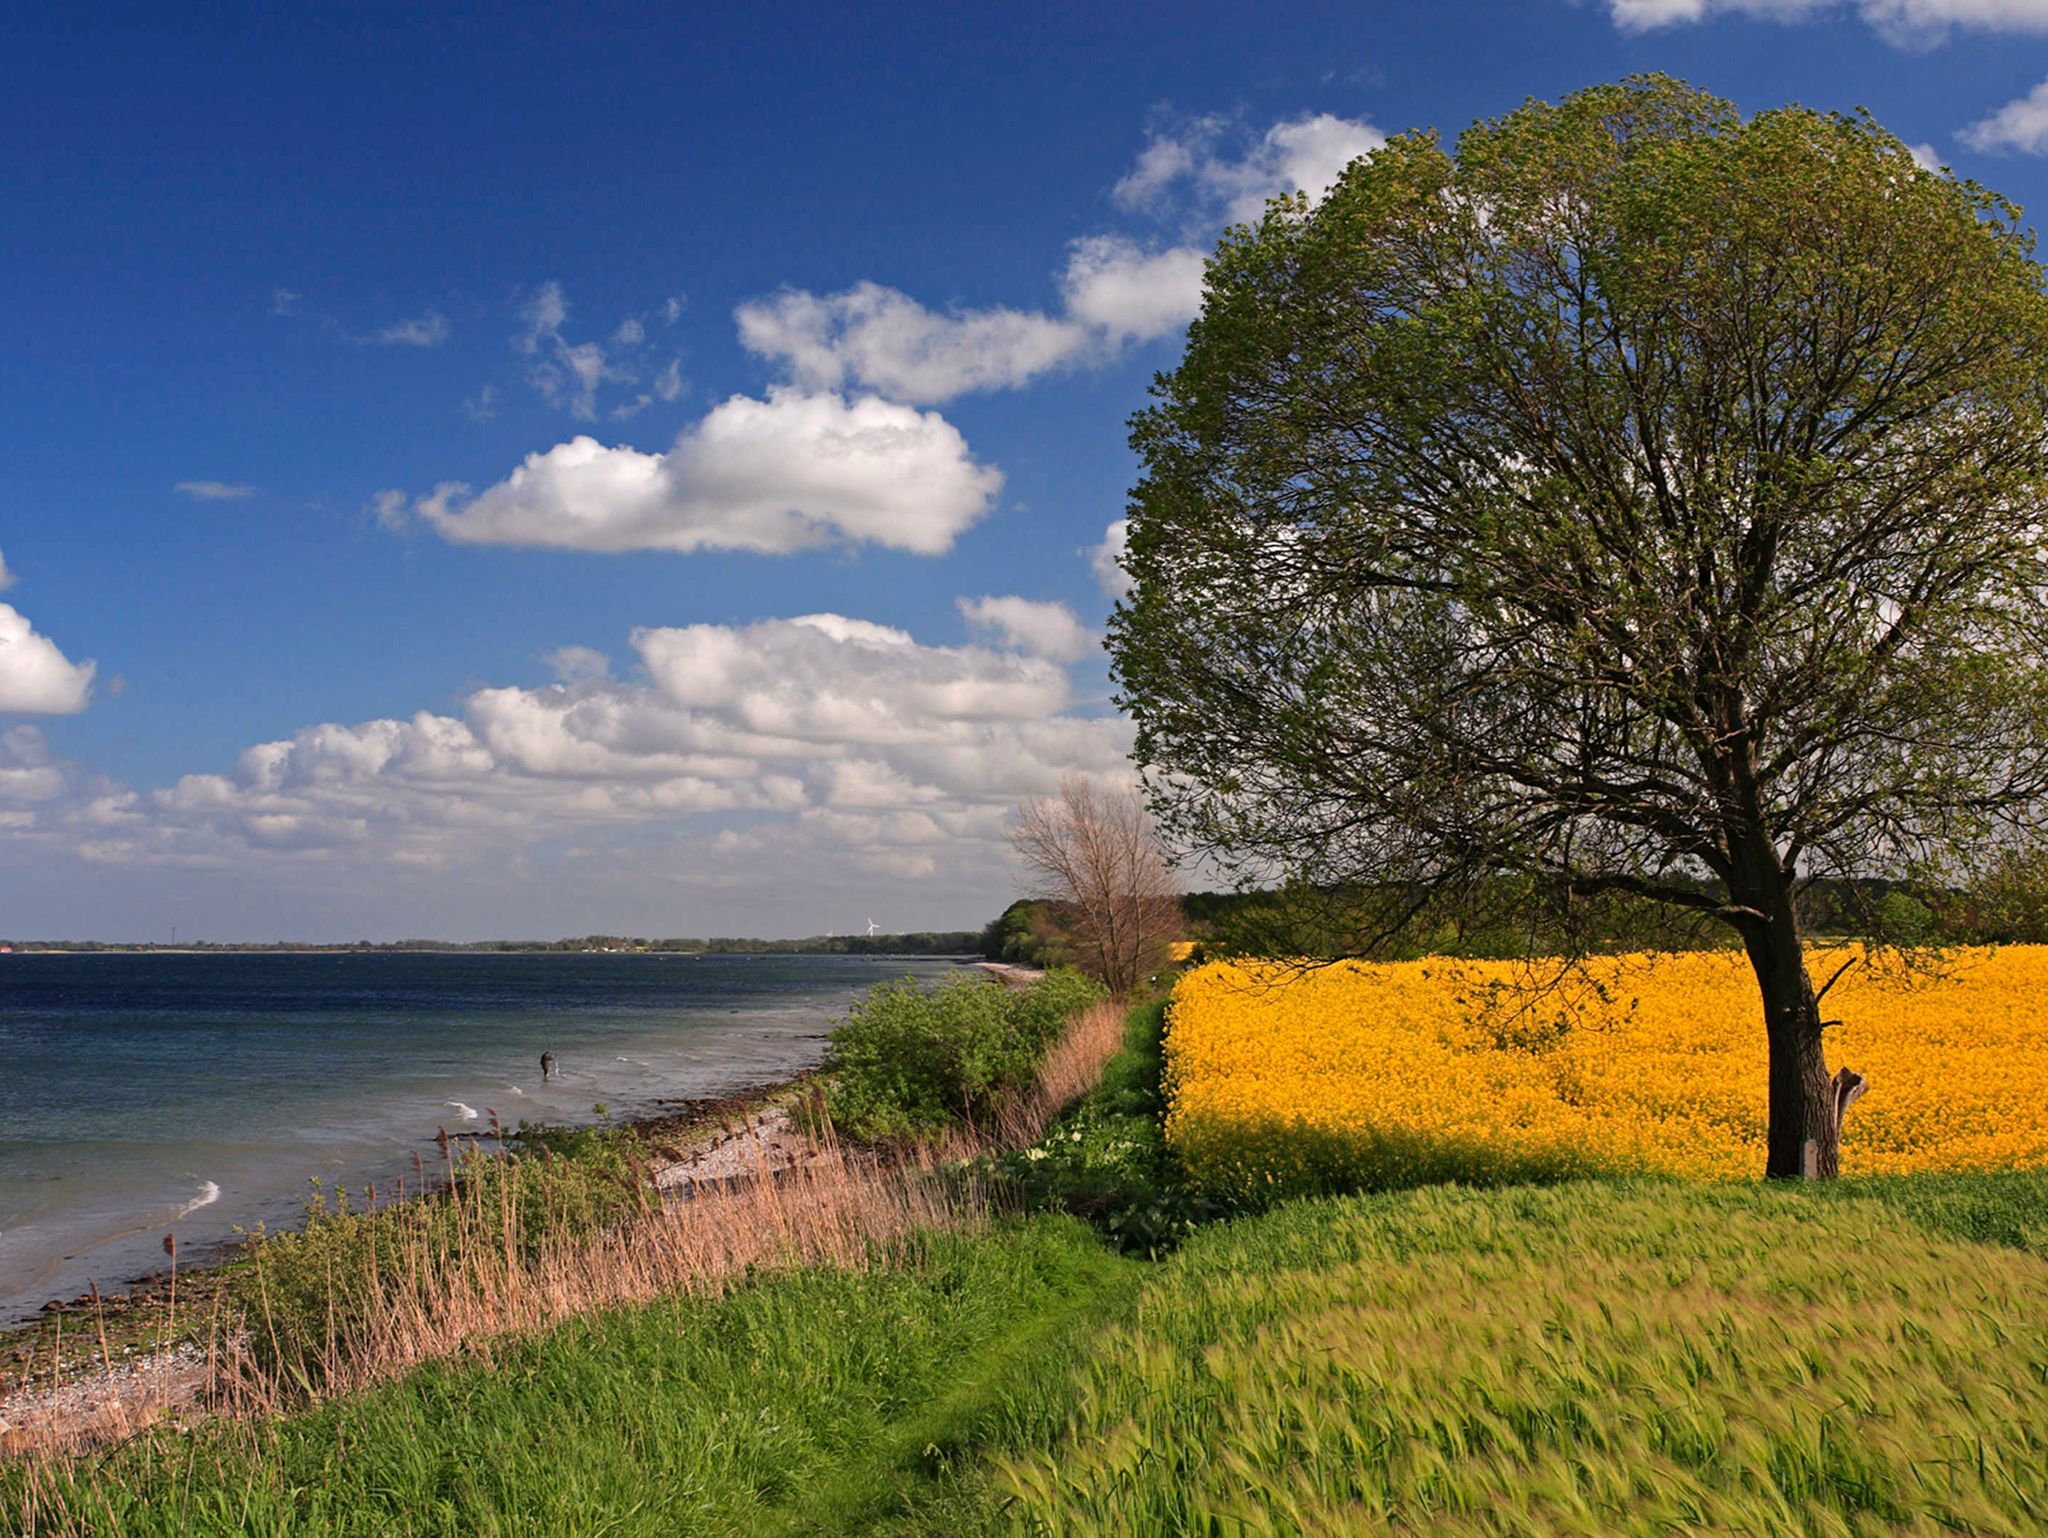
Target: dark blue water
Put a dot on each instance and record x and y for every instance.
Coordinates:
(146, 1094)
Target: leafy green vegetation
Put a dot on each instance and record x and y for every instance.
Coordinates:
(1028, 933)
(1863, 1356)
(1598, 1357)
(911, 1062)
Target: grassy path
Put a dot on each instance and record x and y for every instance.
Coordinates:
(923, 1475)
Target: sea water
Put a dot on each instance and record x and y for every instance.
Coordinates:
(146, 1094)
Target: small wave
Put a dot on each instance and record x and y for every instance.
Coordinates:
(466, 1112)
(516, 1090)
(209, 1193)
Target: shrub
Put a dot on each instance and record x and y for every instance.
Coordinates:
(910, 1062)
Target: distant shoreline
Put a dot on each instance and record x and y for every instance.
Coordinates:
(827, 946)
(480, 949)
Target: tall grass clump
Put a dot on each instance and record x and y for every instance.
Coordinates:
(914, 1064)
(306, 1293)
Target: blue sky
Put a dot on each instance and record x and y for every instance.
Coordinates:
(439, 433)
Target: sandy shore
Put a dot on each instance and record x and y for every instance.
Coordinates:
(1009, 972)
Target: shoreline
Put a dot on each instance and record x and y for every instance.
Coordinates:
(682, 1117)
(117, 1367)
(648, 1038)
(105, 1363)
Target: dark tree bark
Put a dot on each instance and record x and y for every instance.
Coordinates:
(1805, 1129)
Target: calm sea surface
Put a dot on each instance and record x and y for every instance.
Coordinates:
(142, 1095)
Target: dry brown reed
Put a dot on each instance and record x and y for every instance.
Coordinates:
(448, 1289)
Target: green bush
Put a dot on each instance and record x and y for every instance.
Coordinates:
(910, 1062)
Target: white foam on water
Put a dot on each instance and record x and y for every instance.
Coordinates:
(467, 1112)
(209, 1193)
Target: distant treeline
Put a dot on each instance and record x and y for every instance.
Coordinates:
(959, 942)
(1509, 917)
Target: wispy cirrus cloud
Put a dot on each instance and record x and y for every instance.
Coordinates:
(1904, 23)
(570, 374)
(428, 329)
(214, 491)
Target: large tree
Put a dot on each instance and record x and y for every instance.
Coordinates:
(1636, 500)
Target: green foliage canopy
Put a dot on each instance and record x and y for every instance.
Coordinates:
(1638, 497)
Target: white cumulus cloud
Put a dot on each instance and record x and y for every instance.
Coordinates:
(1048, 630)
(2020, 125)
(1196, 159)
(1907, 23)
(7, 578)
(799, 748)
(791, 472)
(1107, 559)
(883, 340)
(1115, 289)
(35, 677)
(1128, 293)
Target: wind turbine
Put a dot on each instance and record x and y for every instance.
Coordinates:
(871, 928)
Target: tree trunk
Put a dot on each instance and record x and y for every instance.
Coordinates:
(1807, 1103)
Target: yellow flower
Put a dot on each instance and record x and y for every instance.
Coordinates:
(1379, 1075)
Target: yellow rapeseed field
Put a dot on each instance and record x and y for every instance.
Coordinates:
(1359, 1075)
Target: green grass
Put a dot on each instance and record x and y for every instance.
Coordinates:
(818, 1401)
(2006, 1209)
(1107, 1161)
(1584, 1359)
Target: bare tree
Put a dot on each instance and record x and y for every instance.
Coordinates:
(1095, 854)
